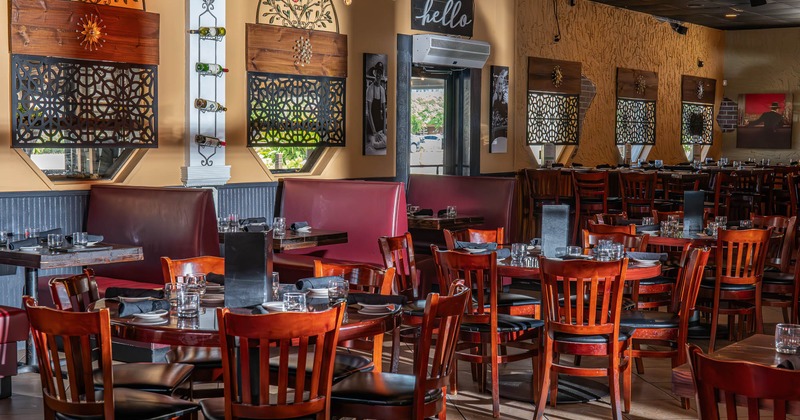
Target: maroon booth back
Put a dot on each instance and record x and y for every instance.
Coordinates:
(366, 210)
(171, 222)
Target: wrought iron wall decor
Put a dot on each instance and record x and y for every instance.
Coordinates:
(636, 122)
(697, 123)
(66, 103)
(552, 119)
(301, 14)
(133, 4)
(295, 111)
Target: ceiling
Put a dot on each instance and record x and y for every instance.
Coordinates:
(774, 14)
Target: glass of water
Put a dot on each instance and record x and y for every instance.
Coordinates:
(787, 338)
(279, 227)
(276, 285)
(338, 289)
(294, 302)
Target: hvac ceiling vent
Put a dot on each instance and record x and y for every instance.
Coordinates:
(442, 50)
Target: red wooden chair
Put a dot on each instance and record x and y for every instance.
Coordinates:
(594, 227)
(480, 236)
(638, 190)
(591, 197)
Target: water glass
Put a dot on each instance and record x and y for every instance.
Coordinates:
(531, 262)
(222, 224)
(659, 163)
(713, 228)
(279, 227)
(276, 285)
(561, 251)
(617, 251)
(54, 241)
(603, 251)
(452, 212)
(646, 221)
(518, 252)
(665, 228)
(3, 238)
(787, 338)
(338, 289)
(233, 222)
(196, 283)
(80, 239)
(412, 209)
(722, 222)
(31, 233)
(188, 304)
(294, 302)
(171, 291)
(574, 251)
(745, 224)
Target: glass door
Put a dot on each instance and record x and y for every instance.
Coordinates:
(429, 133)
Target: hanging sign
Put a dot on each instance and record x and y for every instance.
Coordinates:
(452, 17)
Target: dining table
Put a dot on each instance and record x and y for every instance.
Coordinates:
(440, 223)
(299, 240)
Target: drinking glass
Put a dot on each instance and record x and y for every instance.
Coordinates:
(412, 209)
(452, 212)
(722, 222)
(659, 163)
(713, 227)
(188, 304)
(171, 291)
(617, 251)
(337, 290)
(31, 233)
(574, 251)
(80, 239)
(196, 283)
(665, 230)
(222, 224)
(275, 280)
(646, 221)
(3, 238)
(787, 338)
(294, 302)
(518, 252)
(561, 251)
(233, 222)
(746, 224)
(54, 241)
(279, 227)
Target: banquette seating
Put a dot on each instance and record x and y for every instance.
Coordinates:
(13, 328)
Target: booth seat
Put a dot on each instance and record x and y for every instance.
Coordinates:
(172, 222)
(13, 328)
(366, 210)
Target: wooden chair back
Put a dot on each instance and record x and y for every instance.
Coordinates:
(660, 216)
(674, 187)
(251, 342)
(740, 255)
(543, 186)
(610, 218)
(591, 187)
(740, 383)
(687, 287)
(593, 290)
(595, 227)
(793, 184)
(479, 273)
(724, 186)
(779, 253)
(203, 264)
(82, 333)
(74, 293)
(362, 277)
(398, 253)
(638, 190)
(480, 236)
(631, 242)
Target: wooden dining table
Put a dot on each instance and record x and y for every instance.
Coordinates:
(299, 240)
(441, 223)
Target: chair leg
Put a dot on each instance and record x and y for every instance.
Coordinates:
(639, 360)
(547, 364)
(613, 385)
(627, 380)
(714, 319)
(454, 379)
(495, 382)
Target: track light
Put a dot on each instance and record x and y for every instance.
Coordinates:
(677, 27)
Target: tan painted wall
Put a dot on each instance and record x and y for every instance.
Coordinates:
(763, 61)
(604, 38)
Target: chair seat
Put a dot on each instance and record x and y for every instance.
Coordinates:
(516, 299)
(161, 378)
(372, 388)
(140, 405)
(200, 357)
(648, 319)
(729, 287)
(414, 308)
(656, 281)
(505, 323)
(625, 333)
(214, 409)
(344, 364)
(777, 277)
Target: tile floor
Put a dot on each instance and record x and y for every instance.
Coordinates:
(652, 399)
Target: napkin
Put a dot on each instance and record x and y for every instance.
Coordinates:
(652, 256)
(786, 364)
(373, 299)
(25, 242)
(503, 253)
(259, 310)
(441, 213)
(255, 228)
(314, 282)
(253, 221)
(142, 307)
(424, 212)
(114, 292)
(298, 225)
(216, 278)
(489, 246)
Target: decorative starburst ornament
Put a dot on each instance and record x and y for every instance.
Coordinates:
(640, 85)
(302, 51)
(90, 32)
(557, 77)
(701, 89)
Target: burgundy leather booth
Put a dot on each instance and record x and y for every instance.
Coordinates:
(13, 328)
(172, 222)
(366, 210)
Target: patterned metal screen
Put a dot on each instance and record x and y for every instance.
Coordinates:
(295, 111)
(636, 122)
(697, 123)
(64, 103)
(552, 118)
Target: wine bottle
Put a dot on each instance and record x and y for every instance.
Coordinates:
(208, 141)
(209, 106)
(210, 69)
(209, 31)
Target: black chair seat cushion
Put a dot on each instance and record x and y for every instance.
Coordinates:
(200, 357)
(214, 409)
(373, 388)
(625, 333)
(648, 319)
(345, 364)
(777, 277)
(414, 308)
(729, 287)
(134, 404)
(505, 323)
(516, 299)
(161, 378)
(656, 280)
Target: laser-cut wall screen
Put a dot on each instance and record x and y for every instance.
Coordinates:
(697, 123)
(552, 118)
(295, 111)
(636, 122)
(67, 103)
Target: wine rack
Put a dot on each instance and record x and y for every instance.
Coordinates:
(210, 36)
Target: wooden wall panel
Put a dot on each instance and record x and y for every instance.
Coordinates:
(690, 89)
(271, 49)
(540, 76)
(51, 28)
(627, 80)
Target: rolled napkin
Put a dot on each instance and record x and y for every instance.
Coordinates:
(253, 221)
(373, 299)
(646, 228)
(25, 242)
(424, 212)
(298, 225)
(489, 246)
(142, 307)
(259, 310)
(314, 282)
(503, 253)
(255, 228)
(216, 278)
(786, 364)
(441, 213)
(652, 256)
(115, 292)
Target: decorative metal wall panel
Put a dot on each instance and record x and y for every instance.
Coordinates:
(295, 111)
(302, 14)
(66, 103)
(552, 118)
(697, 123)
(636, 122)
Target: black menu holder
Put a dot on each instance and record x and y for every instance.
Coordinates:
(693, 208)
(248, 265)
(555, 229)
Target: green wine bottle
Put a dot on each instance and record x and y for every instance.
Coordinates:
(209, 31)
(208, 141)
(210, 69)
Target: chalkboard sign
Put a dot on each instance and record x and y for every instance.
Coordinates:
(452, 17)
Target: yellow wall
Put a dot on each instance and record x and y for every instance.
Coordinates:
(763, 61)
(604, 38)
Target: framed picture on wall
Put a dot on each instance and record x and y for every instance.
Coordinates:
(375, 112)
(498, 111)
(765, 121)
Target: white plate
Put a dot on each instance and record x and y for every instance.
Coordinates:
(273, 306)
(475, 250)
(146, 321)
(212, 298)
(133, 299)
(30, 248)
(304, 229)
(650, 232)
(152, 315)
(214, 288)
(645, 263)
(92, 243)
(318, 292)
(387, 309)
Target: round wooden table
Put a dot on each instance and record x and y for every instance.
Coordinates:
(636, 270)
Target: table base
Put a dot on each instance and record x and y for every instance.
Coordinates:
(571, 389)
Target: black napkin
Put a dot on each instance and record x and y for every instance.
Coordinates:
(114, 292)
(424, 212)
(259, 310)
(298, 225)
(216, 278)
(652, 256)
(142, 307)
(253, 221)
(255, 228)
(373, 299)
(489, 246)
(314, 282)
(786, 364)
(25, 242)
(441, 213)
